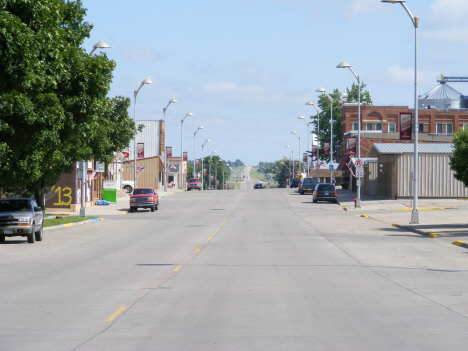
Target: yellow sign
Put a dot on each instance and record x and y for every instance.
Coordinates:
(299, 176)
(66, 193)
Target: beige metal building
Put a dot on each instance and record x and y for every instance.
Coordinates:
(395, 171)
(149, 172)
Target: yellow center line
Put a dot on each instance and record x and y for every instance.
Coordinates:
(197, 250)
(209, 239)
(218, 229)
(116, 313)
(223, 223)
(175, 270)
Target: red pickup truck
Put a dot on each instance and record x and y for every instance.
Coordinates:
(144, 198)
(194, 183)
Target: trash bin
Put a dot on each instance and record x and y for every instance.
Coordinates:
(109, 195)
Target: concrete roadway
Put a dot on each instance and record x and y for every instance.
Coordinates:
(258, 269)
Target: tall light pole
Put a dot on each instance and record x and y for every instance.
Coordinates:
(181, 148)
(347, 65)
(172, 101)
(299, 154)
(415, 21)
(321, 90)
(135, 153)
(84, 168)
(194, 150)
(224, 169)
(209, 176)
(292, 160)
(202, 177)
(308, 133)
(318, 136)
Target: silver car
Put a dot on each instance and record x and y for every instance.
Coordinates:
(21, 217)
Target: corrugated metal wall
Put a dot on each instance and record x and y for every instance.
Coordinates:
(149, 136)
(149, 177)
(435, 177)
(372, 173)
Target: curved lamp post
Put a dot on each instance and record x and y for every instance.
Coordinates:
(415, 21)
(308, 133)
(292, 160)
(84, 169)
(318, 136)
(209, 176)
(182, 186)
(203, 176)
(347, 65)
(299, 154)
(172, 101)
(194, 150)
(135, 93)
(321, 90)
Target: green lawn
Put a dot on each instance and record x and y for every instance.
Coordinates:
(65, 220)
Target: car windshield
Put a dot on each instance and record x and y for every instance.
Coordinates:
(307, 181)
(327, 187)
(193, 180)
(15, 206)
(143, 192)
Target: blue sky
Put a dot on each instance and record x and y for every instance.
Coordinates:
(245, 68)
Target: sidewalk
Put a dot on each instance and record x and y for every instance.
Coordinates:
(447, 218)
(120, 207)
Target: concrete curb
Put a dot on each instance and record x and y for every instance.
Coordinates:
(460, 243)
(417, 231)
(73, 224)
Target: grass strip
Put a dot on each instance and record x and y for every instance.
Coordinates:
(65, 220)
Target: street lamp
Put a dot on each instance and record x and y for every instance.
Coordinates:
(135, 93)
(318, 136)
(321, 90)
(84, 169)
(209, 176)
(194, 149)
(308, 133)
(202, 169)
(347, 65)
(415, 21)
(172, 101)
(182, 149)
(299, 154)
(292, 160)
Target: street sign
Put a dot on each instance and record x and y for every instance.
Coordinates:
(359, 174)
(358, 182)
(358, 163)
(330, 168)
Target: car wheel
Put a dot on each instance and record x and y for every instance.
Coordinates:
(32, 236)
(39, 234)
(157, 206)
(189, 189)
(302, 193)
(314, 200)
(128, 188)
(2, 238)
(152, 208)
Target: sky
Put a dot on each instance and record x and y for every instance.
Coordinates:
(246, 68)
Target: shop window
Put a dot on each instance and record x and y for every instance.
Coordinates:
(355, 126)
(449, 128)
(439, 128)
(369, 126)
(378, 126)
(392, 127)
(420, 127)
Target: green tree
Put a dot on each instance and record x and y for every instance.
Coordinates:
(54, 108)
(459, 160)
(324, 103)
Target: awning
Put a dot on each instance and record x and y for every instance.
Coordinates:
(344, 161)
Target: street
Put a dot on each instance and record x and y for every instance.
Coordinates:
(248, 269)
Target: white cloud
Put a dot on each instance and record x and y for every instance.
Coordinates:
(398, 75)
(139, 54)
(360, 7)
(449, 10)
(445, 21)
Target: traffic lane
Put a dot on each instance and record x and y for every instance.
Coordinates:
(430, 268)
(63, 294)
(269, 280)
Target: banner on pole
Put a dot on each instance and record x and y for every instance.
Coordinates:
(169, 151)
(304, 157)
(326, 149)
(406, 129)
(141, 150)
(184, 157)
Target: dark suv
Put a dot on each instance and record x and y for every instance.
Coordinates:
(294, 183)
(308, 185)
(325, 192)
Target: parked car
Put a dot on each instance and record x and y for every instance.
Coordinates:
(128, 185)
(325, 192)
(194, 183)
(144, 198)
(259, 186)
(307, 185)
(294, 183)
(21, 217)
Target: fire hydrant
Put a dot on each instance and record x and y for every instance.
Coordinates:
(355, 199)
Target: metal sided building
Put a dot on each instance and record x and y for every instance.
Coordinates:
(395, 171)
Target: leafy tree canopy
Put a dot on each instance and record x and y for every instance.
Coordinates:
(54, 108)
(459, 160)
(324, 104)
